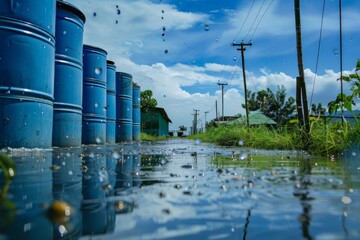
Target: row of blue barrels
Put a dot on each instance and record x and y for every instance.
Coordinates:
(63, 87)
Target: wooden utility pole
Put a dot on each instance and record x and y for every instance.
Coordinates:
(222, 98)
(301, 99)
(242, 49)
(195, 121)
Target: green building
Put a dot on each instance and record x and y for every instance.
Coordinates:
(155, 122)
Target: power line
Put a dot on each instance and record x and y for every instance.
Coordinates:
(261, 19)
(257, 15)
(247, 15)
(318, 52)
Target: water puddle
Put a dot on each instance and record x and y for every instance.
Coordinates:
(180, 189)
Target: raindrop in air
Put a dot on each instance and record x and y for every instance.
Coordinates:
(234, 58)
(206, 27)
(166, 51)
(94, 14)
(98, 140)
(118, 12)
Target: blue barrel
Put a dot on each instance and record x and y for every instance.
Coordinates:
(124, 92)
(26, 85)
(38, 12)
(110, 102)
(136, 113)
(94, 95)
(68, 76)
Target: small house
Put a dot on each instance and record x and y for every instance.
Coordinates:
(155, 122)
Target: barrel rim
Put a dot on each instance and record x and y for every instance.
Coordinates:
(35, 30)
(65, 59)
(71, 8)
(123, 74)
(93, 48)
(110, 62)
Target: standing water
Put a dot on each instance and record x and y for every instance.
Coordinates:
(180, 189)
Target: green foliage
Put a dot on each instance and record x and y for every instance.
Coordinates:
(182, 128)
(344, 101)
(274, 106)
(324, 138)
(146, 101)
(147, 137)
(7, 165)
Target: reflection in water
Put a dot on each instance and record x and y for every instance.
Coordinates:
(67, 187)
(98, 217)
(117, 193)
(30, 190)
(302, 192)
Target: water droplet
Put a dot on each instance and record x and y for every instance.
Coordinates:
(71, 172)
(118, 12)
(6, 120)
(206, 27)
(37, 133)
(162, 11)
(164, 28)
(336, 51)
(64, 32)
(98, 140)
(98, 71)
(96, 105)
(115, 155)
(62, 230)
(234, 58)
(353, 154)
(8, 92)
(166, 51)
(94, 14)
(346, 200)
(116, 21)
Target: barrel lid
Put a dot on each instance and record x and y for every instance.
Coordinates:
(109, 62)
(89, 47)
(124, 74)
(71, 8)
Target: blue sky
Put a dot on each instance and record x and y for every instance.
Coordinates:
(181, 49)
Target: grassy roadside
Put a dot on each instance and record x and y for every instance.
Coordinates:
(324, 139)
(147, 137)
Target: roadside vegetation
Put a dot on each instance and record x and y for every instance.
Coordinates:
(326, 136)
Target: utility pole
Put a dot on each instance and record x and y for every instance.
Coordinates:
(222, 97)
(341, 63)
(195, 121)
(301, 99)
(216, 112)
(206, 112)
(242, 49)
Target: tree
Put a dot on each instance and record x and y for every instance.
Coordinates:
(146, 101)
(317, 110)
(347, 101)
(274, 106)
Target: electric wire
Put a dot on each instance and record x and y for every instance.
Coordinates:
(256, 17)
(318, 53)
(261, 19)
(247, 15)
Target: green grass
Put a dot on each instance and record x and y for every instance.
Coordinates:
(324, 139)
(148, 137)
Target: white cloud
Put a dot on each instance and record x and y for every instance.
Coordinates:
(138, 32)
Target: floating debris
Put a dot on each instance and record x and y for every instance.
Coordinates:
(59, 212)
